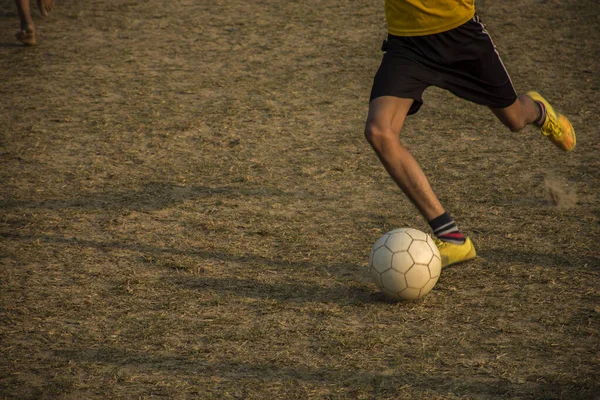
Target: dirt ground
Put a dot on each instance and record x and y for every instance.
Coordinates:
(187, 206)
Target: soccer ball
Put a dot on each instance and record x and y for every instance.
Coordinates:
(405, 264)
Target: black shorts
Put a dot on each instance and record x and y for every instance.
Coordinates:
(463, 61)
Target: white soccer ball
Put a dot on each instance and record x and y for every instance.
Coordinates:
(405, 264)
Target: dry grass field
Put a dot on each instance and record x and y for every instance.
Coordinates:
(187, 205)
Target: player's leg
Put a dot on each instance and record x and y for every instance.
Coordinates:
(495, 90)
(522, 112)
(26, 33)
(384, 123)
(534, 109)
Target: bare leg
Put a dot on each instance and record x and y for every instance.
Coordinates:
(384, 123)
(45, 6)
(27, 32)
(522, 112)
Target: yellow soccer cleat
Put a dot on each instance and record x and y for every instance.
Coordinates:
(455, 253)
(556, 126)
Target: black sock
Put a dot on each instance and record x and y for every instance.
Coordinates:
(542, 118)
(445, 229)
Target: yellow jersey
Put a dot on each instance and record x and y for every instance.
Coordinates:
(426, 17)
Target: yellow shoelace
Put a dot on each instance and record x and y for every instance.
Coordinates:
(440, 243)
(552, 128)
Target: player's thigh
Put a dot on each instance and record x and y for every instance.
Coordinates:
(387, 113)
